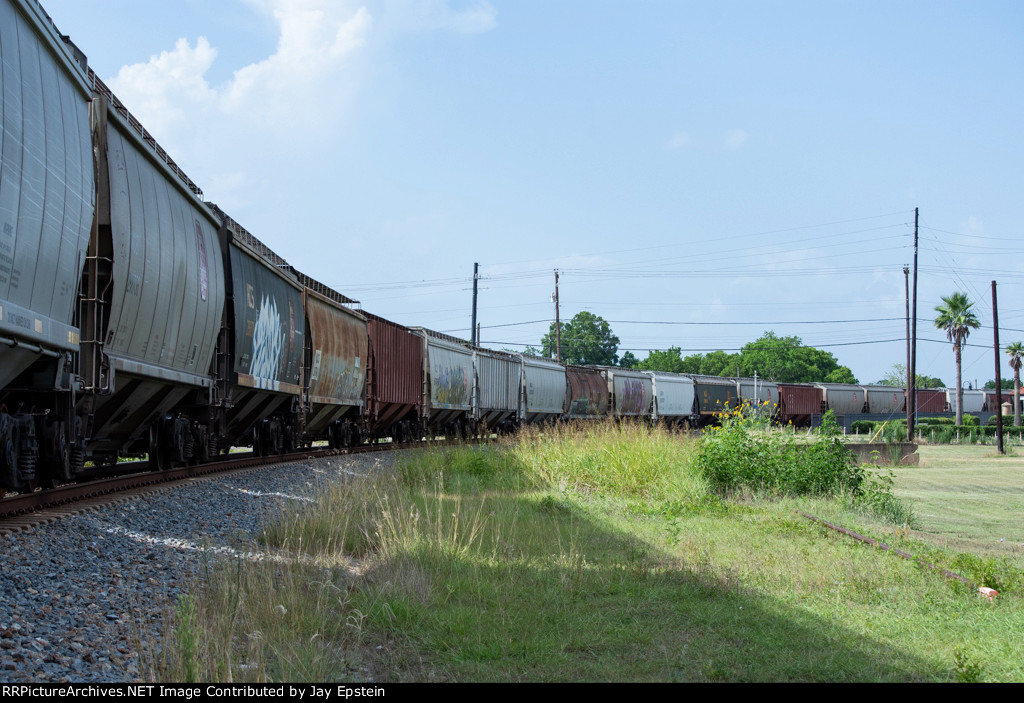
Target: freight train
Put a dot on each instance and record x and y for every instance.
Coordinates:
(138, 319)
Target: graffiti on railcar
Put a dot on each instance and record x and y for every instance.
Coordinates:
(336, 377)
(583, 407)
(267, 341)
(631, 402)
(451, 384)
(204, 278)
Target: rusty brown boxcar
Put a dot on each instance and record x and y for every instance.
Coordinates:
(334, 364)
(394, 380)
(797, 402)
(931, 400)
(586, 393)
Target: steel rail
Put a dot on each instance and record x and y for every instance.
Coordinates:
(875, 543)
(36, 502)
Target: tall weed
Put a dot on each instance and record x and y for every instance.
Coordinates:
(624, 460)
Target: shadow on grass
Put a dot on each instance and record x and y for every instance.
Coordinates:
(550, 591)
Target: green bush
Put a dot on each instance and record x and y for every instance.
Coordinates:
(971, 420)
(942, 421)
(939, 434)
(963, 434)
(744, 453)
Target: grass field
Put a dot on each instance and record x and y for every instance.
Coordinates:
(968, 498)
(602, 555)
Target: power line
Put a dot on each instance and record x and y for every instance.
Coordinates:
(716, 238)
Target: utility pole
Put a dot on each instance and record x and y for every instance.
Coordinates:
(912, 399)
(473, 330)
(910, 379)
(999, 382)
(558, 326)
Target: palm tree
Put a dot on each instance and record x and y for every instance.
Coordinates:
(1016, 352)
(956, 317)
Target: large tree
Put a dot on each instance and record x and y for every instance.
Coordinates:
(788, 360)
(718, 363)
(1016, 353)
(781, 359)
(587, 339)
(670, 360)
(957, 319)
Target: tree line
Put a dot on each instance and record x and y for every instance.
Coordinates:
(588, 340)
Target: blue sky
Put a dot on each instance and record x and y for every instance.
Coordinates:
(748, 163)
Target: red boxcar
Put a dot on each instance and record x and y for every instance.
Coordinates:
(588, 393)
(394, 380)
(931, 400)
(798, 402)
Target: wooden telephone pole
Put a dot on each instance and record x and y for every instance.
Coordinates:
(473, 333)
(558, 326)
(912, 390)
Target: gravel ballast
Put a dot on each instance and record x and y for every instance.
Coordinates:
(78, 594)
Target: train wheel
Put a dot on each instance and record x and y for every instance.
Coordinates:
(257, 442)
(158, 460)
(8, 451)
(54, 454)
(181, 442)
(201, 444)
(276, 438)
(55, 465)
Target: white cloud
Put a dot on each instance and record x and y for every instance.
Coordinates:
(734, 139)
(307, 83)
(276, 112)
(679, 140)
(317, 39)
(166, 90)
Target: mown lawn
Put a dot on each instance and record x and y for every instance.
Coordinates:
(968, 498)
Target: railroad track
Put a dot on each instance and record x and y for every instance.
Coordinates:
(25, 510)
